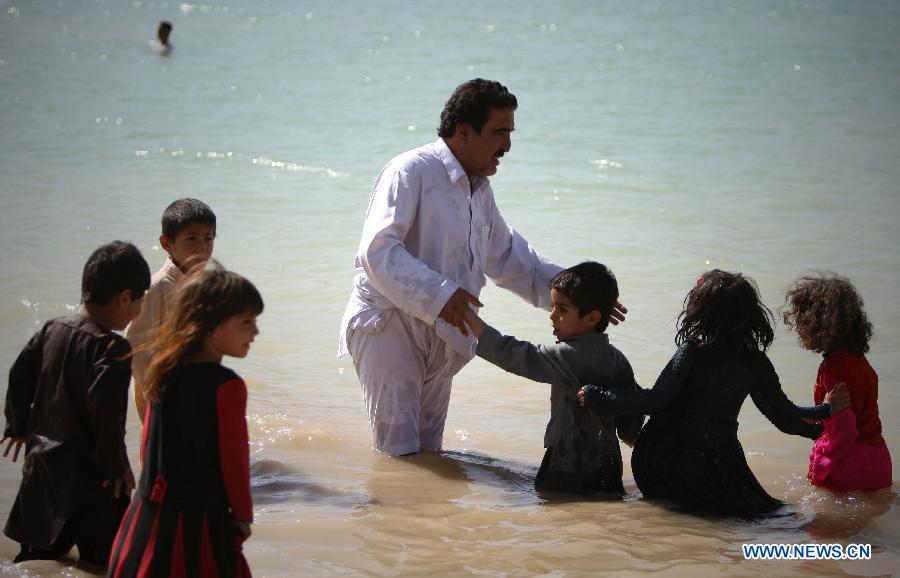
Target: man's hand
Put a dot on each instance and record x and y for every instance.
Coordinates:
(13, 442)
(618, 313)
(454, 310)
(580, 396)
(125, 483)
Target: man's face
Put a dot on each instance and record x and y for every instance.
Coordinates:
(480, 154)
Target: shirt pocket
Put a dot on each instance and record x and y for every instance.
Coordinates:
(478, 243)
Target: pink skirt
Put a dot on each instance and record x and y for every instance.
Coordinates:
(863, 467)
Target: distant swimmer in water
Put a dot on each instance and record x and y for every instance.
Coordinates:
(161, 43)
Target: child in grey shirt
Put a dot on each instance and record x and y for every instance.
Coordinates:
(582, 450)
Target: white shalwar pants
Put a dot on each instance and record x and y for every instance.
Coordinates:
(406, 372)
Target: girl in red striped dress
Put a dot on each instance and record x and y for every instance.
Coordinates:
(193, 510)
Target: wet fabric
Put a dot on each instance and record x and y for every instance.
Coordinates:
(195, 484)
(428, 231)
(156, 302)
(851, 454)
(583, 453)
(688, 452)
(406, 373)
(68, 395)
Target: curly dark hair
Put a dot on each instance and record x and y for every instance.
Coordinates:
(724, 312)
(471, 103)
(827, 313)
(591, 286)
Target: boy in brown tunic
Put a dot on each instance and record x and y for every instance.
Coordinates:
(66, 402)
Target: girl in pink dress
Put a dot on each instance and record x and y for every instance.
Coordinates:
(827, 314)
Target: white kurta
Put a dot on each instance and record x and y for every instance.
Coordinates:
(427, 233)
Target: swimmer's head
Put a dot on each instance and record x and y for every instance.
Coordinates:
(162, 34)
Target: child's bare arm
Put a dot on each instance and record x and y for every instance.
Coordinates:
(474, 322)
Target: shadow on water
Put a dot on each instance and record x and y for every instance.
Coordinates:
(848, 515)
(469, 479)
(273, 482)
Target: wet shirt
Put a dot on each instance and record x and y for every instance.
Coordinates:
(68, 396)
(428, 232)
(862, 383)
(566, 365)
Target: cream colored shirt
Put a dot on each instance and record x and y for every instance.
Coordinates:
(156, 302)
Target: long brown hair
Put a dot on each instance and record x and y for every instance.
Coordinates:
(724, 312)
(207, 297)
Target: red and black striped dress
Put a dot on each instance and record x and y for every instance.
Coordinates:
(195, 485)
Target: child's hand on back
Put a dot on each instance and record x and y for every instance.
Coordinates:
(838, 397)
(13, 442)
(243, 529)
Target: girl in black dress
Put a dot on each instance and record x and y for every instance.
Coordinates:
(688, 452)
(193, 509)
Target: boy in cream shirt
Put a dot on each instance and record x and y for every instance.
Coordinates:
(188, 235)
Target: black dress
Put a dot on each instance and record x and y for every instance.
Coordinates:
(688, 452)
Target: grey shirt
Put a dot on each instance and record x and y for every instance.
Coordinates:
(583, 359)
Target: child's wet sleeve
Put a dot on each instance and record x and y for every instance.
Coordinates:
(107, 403)
(23, 376)
(535, 362)
(769, 397)
(234, 448)
(633, 401)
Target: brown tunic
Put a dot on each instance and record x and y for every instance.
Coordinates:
(68, 396)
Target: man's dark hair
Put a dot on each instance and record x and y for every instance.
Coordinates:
(592, 287)
(184, 212)
(471, 103)
(111, 269)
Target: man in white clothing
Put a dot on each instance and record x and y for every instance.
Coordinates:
(432, 234)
